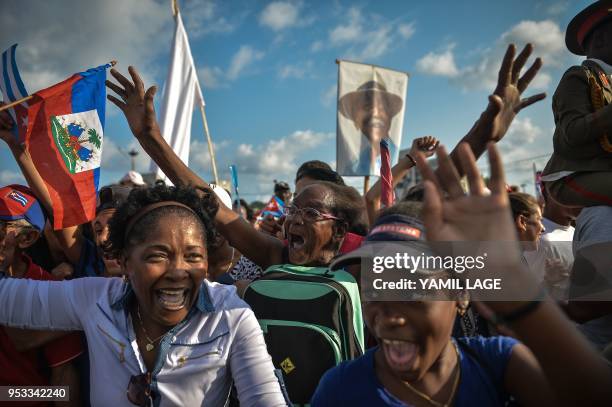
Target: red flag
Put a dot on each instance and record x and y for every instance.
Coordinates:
(64, 139)
(386, 178)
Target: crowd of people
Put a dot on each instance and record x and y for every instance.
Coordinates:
(164, 298)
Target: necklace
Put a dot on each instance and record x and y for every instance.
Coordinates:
(454, 390)
(151, 345)
(231, 261)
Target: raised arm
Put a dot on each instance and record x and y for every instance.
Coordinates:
(426, 145)
(137, 105)
(48, 305)
(69, 239)
(570, 365)
(504, 104)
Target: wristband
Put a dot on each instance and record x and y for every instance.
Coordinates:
(412, 160)
(521, 312)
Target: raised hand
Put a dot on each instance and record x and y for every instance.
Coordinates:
(426, 145)
(6, 124)
(476, 216)
(506, 100)
(135, 103)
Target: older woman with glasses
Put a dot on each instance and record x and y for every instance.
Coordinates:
(167, 336)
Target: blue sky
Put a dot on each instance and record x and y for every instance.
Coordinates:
(269, 78)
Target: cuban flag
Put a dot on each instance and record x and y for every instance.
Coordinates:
(13, 89)
(64, 139)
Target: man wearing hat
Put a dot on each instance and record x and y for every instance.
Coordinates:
(371, 108)
(580, 169)
(30, 358)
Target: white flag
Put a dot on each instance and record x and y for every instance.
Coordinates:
(371, 105)
(181, 95)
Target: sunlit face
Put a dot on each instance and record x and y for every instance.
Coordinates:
(8, 244)
(101, 232)
(530, 229)
(372, 117)
(311, 243)
(167, 269)
(412, 335)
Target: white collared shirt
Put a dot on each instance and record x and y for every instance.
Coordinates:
(218, 342)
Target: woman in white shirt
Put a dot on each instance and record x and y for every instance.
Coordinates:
(166, 336)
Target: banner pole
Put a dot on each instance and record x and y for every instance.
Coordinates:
(366, 184)
(211, 149)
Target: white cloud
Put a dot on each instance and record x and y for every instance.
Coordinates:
(92, 34)
(557, 8)
(440, 64)
(330, 96)
(278, 157)
(245, 56)
(215, 77)
(203, 17)
(518, 142)
(295, 71)
(363, 41)
(280, 15)
(316, 46)
(8, 177)
(199, 156)
(546, 37)
(548, 41)
(406, 30)
(377, 44)
(211, 77)
(115, 158)
(350, 31)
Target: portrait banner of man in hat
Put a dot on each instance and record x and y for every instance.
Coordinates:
(371, 104)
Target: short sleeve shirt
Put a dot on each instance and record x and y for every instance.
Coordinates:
(483, 367)
(30, 367)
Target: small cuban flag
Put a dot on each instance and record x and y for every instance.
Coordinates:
(64, 137)
(13, 89)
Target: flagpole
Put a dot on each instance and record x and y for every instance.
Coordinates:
(25, 99)
(211, 149)
(366, 184)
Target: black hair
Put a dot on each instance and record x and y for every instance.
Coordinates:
(522, 204)
(203, 204)
(320, 174)
(348, 205)
(281, 186)
(318, 170)
(249, 210)
(415, 193)
(408, 208)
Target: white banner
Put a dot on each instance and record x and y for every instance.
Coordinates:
(181, 95)
(371, 104)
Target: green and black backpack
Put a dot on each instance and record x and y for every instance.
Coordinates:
(311, 319)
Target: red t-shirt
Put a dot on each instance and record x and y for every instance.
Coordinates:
(32, 367)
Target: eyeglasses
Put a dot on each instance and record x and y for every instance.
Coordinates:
(308, 214)
(139, 390)
(6, 225)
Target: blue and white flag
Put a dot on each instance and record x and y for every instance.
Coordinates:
(13, 89)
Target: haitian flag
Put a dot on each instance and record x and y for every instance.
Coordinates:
(64, 138)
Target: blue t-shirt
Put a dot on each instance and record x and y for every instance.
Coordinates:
(90, 263)
(354, 383)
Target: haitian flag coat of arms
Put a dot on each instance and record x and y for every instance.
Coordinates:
(64, 138)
